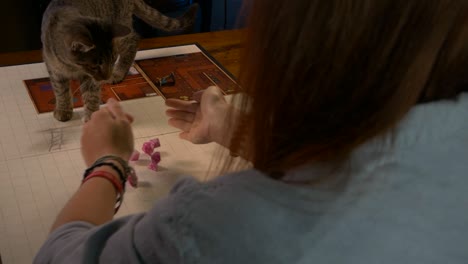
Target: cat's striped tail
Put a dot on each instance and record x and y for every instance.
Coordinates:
(158, 20)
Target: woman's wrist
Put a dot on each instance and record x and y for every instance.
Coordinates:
(110, 169)
(108, 176)
(222, 131)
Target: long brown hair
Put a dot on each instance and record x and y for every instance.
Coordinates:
(322, 77)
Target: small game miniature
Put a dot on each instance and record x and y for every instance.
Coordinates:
(168, 80)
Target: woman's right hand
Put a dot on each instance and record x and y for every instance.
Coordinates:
(202, 121)
(108, 132)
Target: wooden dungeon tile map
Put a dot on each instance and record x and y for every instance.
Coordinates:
(190, 73)
(170, 75)
(133, 86)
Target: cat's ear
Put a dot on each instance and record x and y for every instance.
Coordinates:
(119, 30)
(81, 47)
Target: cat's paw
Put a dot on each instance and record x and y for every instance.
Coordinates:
(63, 115)
(116, 78)
(85, 119)
(86, 116)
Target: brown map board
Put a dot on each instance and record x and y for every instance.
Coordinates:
(133, 86)
(192, 72)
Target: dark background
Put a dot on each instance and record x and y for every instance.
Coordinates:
(21, 20)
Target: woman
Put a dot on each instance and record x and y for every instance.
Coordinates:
(354, 120)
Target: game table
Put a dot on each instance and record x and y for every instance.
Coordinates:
(40, 160)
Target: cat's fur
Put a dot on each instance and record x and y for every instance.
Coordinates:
(82, 40)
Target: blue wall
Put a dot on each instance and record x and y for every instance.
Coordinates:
(225, 14)
(22, 19)
(213, 15)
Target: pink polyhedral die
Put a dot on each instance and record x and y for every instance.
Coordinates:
(156, 157)
(153, 166)
(149, 146)
(156, 142)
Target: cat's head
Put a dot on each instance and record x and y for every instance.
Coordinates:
(90, 46)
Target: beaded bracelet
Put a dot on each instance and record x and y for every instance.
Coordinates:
(123, 178)
(127, 169)
(123, 175)
(130, 174)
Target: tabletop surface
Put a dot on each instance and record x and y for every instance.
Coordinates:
(224, 46)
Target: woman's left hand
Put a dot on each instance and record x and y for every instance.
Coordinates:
(108, 132)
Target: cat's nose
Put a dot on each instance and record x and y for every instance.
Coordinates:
(102, 76)
(99, 77)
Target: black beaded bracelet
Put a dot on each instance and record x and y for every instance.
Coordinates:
(123, 179)
(127, 169)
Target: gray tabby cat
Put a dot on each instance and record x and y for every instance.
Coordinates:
(82, 40)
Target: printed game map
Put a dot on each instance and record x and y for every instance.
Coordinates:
(187, 73)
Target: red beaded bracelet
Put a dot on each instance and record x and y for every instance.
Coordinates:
(117, 185)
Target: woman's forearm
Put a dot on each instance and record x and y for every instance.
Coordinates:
(93, 202)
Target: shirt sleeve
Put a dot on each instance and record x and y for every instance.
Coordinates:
(158, 236)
